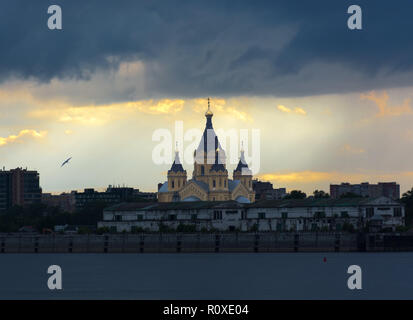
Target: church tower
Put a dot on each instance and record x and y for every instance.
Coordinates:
(242, 172)
(176, 175)
(210, 162)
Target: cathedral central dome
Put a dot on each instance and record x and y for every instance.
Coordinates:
(209, 113)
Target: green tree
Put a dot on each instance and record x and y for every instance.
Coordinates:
(407, 200)
(41, 216)
(163, 228)
(319, 215)
(186, 228)
(347, 227)
(319, 194)
(90, 214)
(296, 194)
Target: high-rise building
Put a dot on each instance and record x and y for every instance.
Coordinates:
(90, 195)
(365, 189)
(5, 194)
(112, 195)
(19, 187)
(265, 191)
(65, 201)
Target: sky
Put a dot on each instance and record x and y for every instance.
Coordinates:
(330, 104)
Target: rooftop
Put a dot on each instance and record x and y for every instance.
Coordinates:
(285, 203)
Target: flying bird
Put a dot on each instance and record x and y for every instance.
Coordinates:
(66, 161)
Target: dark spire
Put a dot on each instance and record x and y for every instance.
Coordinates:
(242, 164)
(176, 166)
(217, 166)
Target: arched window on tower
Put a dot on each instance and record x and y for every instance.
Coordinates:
(173, 183)
(202, 170)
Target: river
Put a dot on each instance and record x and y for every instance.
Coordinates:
(207, 276)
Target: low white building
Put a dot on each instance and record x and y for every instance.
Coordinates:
(268, 215)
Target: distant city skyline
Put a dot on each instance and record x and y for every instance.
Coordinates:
(307, 169)
(332, 105)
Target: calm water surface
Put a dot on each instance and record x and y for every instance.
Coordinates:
(207, 276)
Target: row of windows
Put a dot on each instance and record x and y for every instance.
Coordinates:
(139, 217)
(322, 214)
(220, 183)
(32, 196)
(397, 212)
(217, 215)
(262, 215)
(179, 183)
(118, 217)
(86, 196)
(214, 183)
(100, 197)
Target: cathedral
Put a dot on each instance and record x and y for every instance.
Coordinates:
(210, 177)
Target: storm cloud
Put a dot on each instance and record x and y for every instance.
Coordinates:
(198, 48)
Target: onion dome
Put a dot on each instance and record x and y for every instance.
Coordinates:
(208, 113)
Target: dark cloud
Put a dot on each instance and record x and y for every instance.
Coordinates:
(193, 48)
